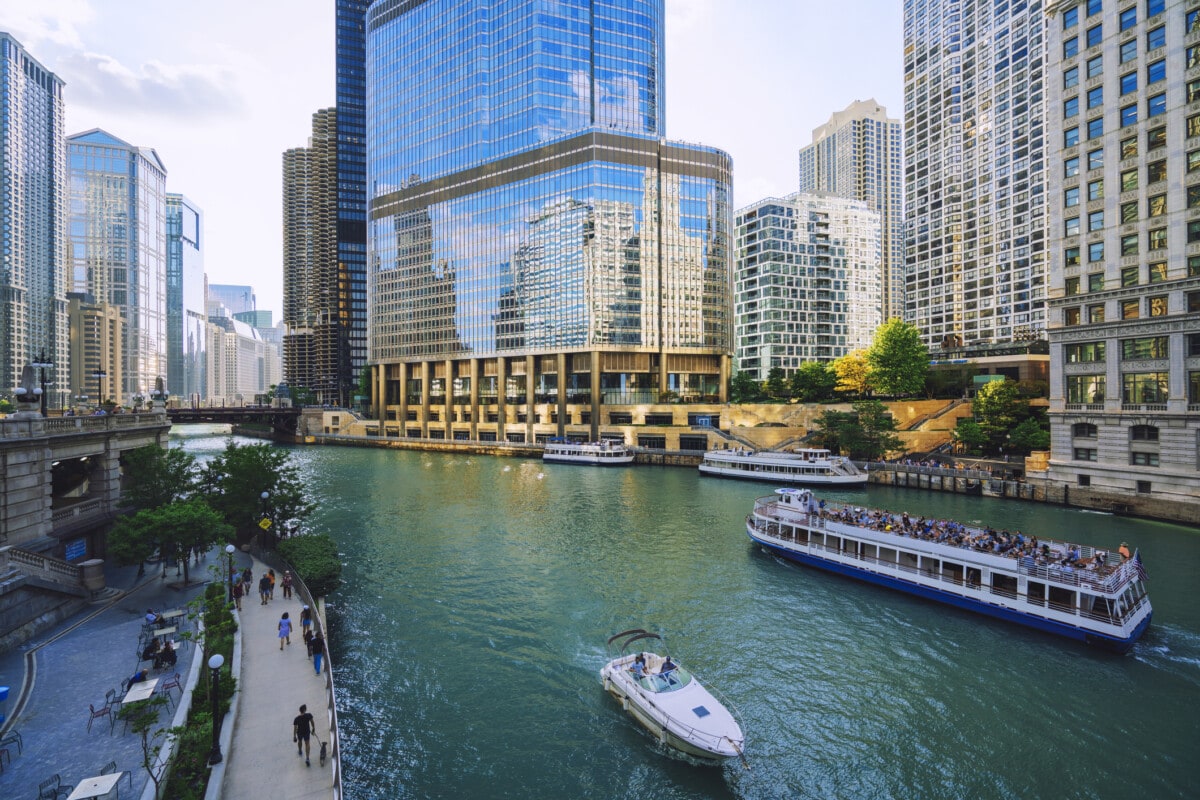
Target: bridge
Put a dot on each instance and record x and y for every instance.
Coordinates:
(283, 421)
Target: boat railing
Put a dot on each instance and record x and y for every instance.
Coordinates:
(1115, 617)
(691, 733)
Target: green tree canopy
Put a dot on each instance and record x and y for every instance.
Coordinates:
(235, 480)
(865, 433)
(898, 358)
(744, 389)
(812, 382)
(155, 476)
(316, 561)
(853, 373)
(777, 384)
(1028, 436)
(173, 528)
(970, 437)
(998, 408)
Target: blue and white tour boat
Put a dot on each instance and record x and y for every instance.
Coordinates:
(1072, 590)
(807, 465)
(602, 454)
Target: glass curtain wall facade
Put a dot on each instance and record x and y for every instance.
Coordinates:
(1125, 244)
(187, 375)
(807, 283)
(118, 247)
(33, 213)
(536, 252)
(351, 88)
(859, 154)
(975, 171)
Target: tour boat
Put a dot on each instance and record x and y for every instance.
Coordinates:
(1077, 591)
(809, 465)
(668, 700)
(604, 454)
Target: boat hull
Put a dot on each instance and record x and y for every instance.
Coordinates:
(1114, 644)
(589, 461)
(845, 481)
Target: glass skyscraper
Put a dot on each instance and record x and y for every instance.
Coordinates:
(536, 252)
(33, 209)
(118, 246)
(187, 313)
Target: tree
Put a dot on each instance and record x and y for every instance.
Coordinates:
(813, 382)
(1029, 436)
(853, 373)
(998, 408)
(744, 389)
(970, 437)
(174, 529)
(156, 476)
(315, 558)
(777, 385)
(951, 381)
(142, 718)
(235, 480)
(898, 358)
(831, 428)
(875, 431)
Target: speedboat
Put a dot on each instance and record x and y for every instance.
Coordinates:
(668, 700)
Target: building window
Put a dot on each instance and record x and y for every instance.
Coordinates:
(1156, 72)
(1085, 388)
(1128, 50)
(1070, 18)
(1071, 47)
(1144, 387)
(1084, 352)
(1156, 138)
(1128, 18)
(1193, 349)
(1094, 7)
(1129, 212)
(1156, 206)
(1096, 189)
(1193, 388)
(1071, 78)
(1193, 160)
(1143, 460)
(1071, 135)
(1071, 285)
(1095, 220)
(1192, 21)
(1084, 480)
(1071, 197)
(1129, 245)
(1193, 302)
(1144, 348)
(1158, 305)
(1071, 228)
(1071, 259)
(1143, 487)
(1096, 282)
(1070, 108)
(1071, 167)
(1143, 433)
(1193, 127)
(1096, 313)
(1193, 196)
(1128, 83)
(1129, 115)
(1154, 7)
(1129, 276)
(1130, 309)
(1157, 271)
(1095, 66)
(1129, 180)
(1096, 158)
(1095, 128)
(1095, 251)
(1071, 316)
(1095, 97)
(1157, 104)
(1085, 454)
(1155, 38)
(1084, 430)
(1129, 148)
(1193, 266)
(1193, 231)
(1095, 35)
(1156, 171)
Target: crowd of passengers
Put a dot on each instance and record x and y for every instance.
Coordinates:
(1012, 544)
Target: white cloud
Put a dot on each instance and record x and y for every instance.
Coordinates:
(38, 22)
(99, 81)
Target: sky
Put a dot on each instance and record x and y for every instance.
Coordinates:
(220, 88)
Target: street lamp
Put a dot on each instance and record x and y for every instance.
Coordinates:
(229, 552)
(265, 523)
(214, 664)
(41, 365)
(99, 375)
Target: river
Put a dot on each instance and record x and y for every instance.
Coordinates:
(479, 592)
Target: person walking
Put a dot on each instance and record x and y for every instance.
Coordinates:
(264, 589)
(247, 581)
(271, 590)
(285, 630)
(303, 726)
(238, 591)
(318, 649)
(306, 619)
(287, 584)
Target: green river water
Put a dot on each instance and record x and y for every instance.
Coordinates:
(479, 591)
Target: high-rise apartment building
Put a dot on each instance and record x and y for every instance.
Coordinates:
(807, 283)
(537, 252)
(33, 211)
(316, 348)
(975, 171)
(187, 314)
(351, 88)
(97, 342)
(859, 153)
(1124, 191)
(118, 246)
(242, 364)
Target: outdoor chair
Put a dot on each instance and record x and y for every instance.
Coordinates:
(4, 752)
(52, 788)
(111, 767)
(12, 737)
(105, 711)
(171, 683)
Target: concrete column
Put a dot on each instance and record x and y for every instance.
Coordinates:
(529, 404)
(448, 398)
(595, 369)
(474, 398)
(424, 421)
(403, 414)
(561, 365)
(724, 380)
(501, 401)
(662, 373)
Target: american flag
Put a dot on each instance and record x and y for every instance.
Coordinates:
(1137, 566)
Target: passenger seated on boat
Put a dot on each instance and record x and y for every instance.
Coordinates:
(639, 666)
(667, 666)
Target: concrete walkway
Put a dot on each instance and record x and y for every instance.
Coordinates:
(261, 759)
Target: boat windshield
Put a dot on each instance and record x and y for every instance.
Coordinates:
(673, 681)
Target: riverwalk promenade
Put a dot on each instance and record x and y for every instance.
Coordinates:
(54, 678)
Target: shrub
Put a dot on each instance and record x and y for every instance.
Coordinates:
(315, 559)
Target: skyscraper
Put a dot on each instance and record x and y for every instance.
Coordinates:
(33, 210)
(119, 249)
(806, 281)
(859, 154)
(1125, 247)
(316, 349)
(187, 314)
(975, 163)
(536, 251)
(235, 297)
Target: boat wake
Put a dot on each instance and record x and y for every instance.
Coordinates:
(1172, 649)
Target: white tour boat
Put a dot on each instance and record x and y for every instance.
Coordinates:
(1071, 590)
(604, 454)
(668, 700)
(808, 465)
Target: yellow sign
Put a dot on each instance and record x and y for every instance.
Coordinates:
(265, 524)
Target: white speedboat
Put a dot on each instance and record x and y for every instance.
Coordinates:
(601, 454)
(808, 465)
(668, 700)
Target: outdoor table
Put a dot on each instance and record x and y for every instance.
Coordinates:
(172, 614)
(99, 786)
(140, 691)
(164, 631)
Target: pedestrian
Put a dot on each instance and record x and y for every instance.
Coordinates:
(306, 618)
(285, 630)
(264, 589)
(308, 637)
(271, 590)
(238, 591)
(303, 726)
(287, 584)
(247, 581)
(318, 649)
